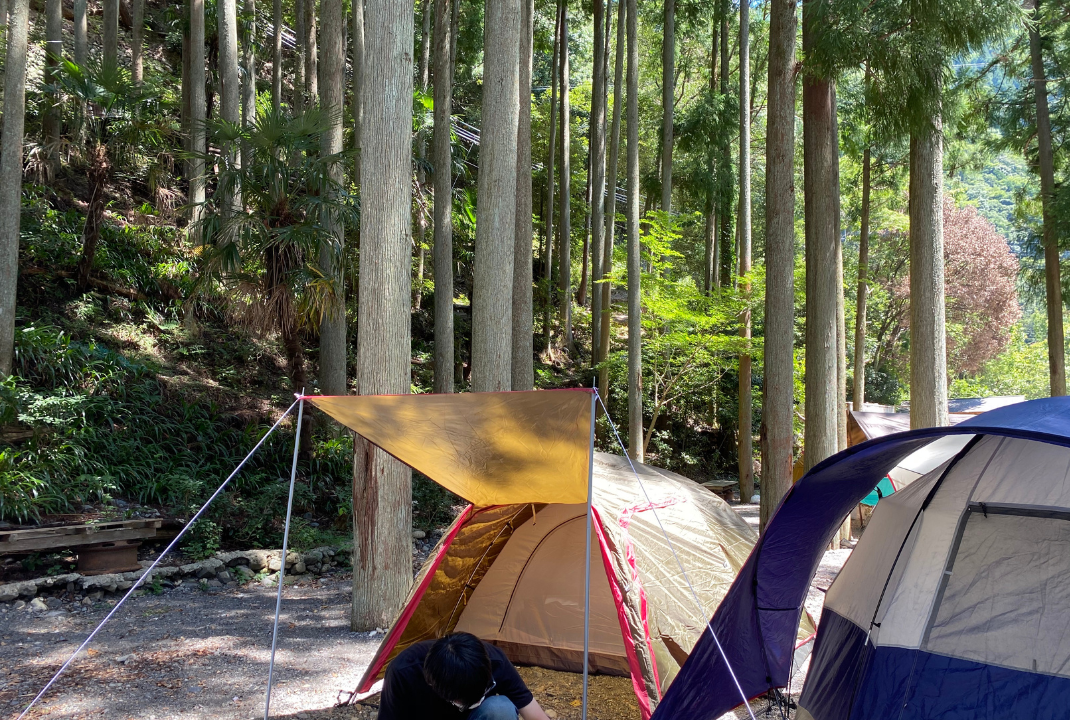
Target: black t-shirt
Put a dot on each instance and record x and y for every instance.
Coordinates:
(407, 696)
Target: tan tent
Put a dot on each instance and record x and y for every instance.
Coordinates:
(513, 575)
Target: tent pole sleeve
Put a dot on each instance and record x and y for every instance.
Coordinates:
(587, 558)
(282, 562)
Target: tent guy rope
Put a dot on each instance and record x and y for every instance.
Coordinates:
(148, 572)
(687, 579)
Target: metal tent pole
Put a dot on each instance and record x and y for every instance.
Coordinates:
(282, 563)
(587, 557)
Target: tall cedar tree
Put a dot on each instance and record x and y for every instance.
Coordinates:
(668, 97)
(492, 290)
(820, 156)
(778, 397)
(1053, 282)
(746, 435)
(635, 308)
(611, 200)
(597, 178)
(564, 231)
(332, 360)
(548, 257)
(382, 486)
(11, 175)
(523, 370)
(443, 233)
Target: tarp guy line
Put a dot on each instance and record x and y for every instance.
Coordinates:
(694, 595)
(148, 573)
(282, 563)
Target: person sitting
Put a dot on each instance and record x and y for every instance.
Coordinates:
(457, 676)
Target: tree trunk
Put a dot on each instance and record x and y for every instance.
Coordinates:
(230, 92)
(548, 258)
(94, 218)
(442, 162)
(746, 434)
(564, 269)
(248, 97)
(51, 120)
(778, 397)
(110, 31)
(333, 325)
(11, 175)
(820, 158)
(196, 116)
(276, 55)
(382, 486)
(137, 41)
(1056, 350)
(863, 289)
(358, 80)
(928, 339)
(523, 370)
(300, 49)
(724, 245)
(494, 248)
(668, 97)
(421, 153)
(455, 31)
(611, 202)
(312, 92)
(635, 358)
(81, 35)
(597, 175)
(841, 322)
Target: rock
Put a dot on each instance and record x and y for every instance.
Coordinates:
(214, 584)
(107, 583)
(274, 564)
(242, 573)
(224, 577)
(9, 592)
(314, 568)
(94, 596)
(202, 569)
(53, 603)
(124, 585)
(258, 559)
(418, 534)
(18, 605)
(55, 613)
(124, 659)
(312, 557)
(38, 605)
(231, 584)
(299, 568)
(87, 601)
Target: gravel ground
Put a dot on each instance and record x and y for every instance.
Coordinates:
(194, 654)
(187, 654)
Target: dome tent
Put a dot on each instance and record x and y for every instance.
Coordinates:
(953, 605)
(512, 575)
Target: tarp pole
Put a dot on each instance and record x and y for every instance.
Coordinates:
(282, 562)
(587, 558)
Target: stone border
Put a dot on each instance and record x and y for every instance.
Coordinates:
(225, 569)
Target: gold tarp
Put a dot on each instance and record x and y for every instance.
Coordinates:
(489, 448)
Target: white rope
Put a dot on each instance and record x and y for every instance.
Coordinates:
(148, 572)
(694, 595)
(282, 563)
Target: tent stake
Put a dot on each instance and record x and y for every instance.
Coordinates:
(282, 562)
(587, 558)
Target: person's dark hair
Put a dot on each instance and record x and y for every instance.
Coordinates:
(457, 668)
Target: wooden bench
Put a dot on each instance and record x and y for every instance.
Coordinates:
(105, 547)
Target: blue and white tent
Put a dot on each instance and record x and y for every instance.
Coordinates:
(955, 603)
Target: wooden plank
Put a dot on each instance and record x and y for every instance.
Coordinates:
(20, 541)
